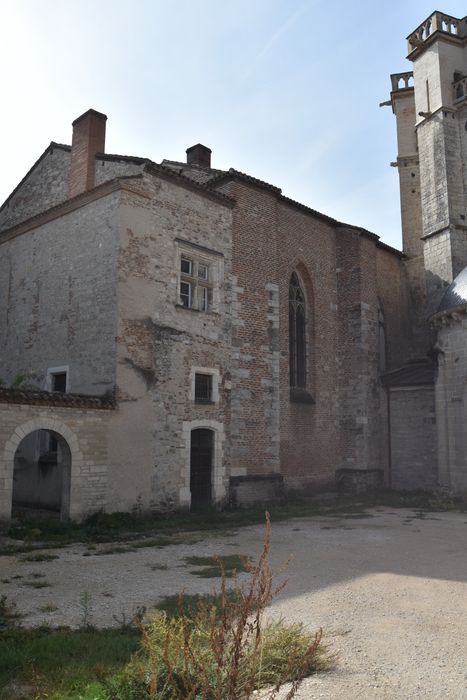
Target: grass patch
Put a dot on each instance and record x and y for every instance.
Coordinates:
(176, 605)
(159, 530)
(215, 566)
(37, 584)
(157, 567)
(61, 663)
(219, 647)
(49, 608)
(39, 556)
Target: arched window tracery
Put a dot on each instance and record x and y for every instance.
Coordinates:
(297, 333)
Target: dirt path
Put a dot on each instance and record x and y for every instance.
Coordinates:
(390, 591)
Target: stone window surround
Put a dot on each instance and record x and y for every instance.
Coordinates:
(219, 476)
(57, 370)
(205, 256)
(216, 378)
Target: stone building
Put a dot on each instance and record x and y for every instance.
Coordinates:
(199, 338)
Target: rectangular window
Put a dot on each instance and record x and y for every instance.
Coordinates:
(203, 298)
(194, 283)
(186, 266)
(203, 388)
(58, 382)
(203, 273)
(185, 294)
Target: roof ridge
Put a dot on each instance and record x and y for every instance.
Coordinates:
(165, 170)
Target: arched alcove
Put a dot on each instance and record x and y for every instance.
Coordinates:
(41, 473)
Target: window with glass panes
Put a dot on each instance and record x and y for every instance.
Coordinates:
(195, 291)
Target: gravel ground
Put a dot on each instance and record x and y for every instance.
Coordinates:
(389, 589)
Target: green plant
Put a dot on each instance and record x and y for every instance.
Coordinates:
(49, 608)
(61, 663)
(85, 604)
(8, 615)
(221, 651)
(212, 567)
(39, 556)
(25, 379)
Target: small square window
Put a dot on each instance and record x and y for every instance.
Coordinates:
(185, 294)
(203, 388)
(186, 266)
(59, 382)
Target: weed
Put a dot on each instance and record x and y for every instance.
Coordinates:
(49, 608)
(85, 604)
(36, 584)
(215, 566)
(157, 567)
(118, 549)
(8, 615)
(39, 556)
(176, 605)
(221, 651)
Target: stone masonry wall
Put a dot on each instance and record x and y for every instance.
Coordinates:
(58, 281)
(44, 187)
(107, 169)
(451, 401)
(359, 404)
(413, 438)
(85, 432)
(160, 344)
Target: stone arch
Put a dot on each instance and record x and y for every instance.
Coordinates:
(67, 438)
(219, 476)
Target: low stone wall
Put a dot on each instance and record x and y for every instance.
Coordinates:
(256, 488)
(358, 482)
(82, 422)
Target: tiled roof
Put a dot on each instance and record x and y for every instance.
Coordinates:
(114, 156)
(232, 173)
(166, 171)
(414, 374)
(55, 398)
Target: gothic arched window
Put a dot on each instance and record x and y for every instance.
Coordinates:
(297, 333)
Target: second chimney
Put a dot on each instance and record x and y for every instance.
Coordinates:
(88, 139)
(199, 155)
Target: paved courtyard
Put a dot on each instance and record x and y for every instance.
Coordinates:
(388, 588)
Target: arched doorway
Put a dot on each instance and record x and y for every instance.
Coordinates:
(201, 458)
(41, 474)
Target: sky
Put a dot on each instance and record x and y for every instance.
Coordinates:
(285, 90)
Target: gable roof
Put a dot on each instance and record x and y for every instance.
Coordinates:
(206, 180)
(50, 148)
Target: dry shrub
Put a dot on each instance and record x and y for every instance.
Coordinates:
(224, 651)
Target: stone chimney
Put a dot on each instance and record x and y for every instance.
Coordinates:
(88, 139)
(199, 155)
